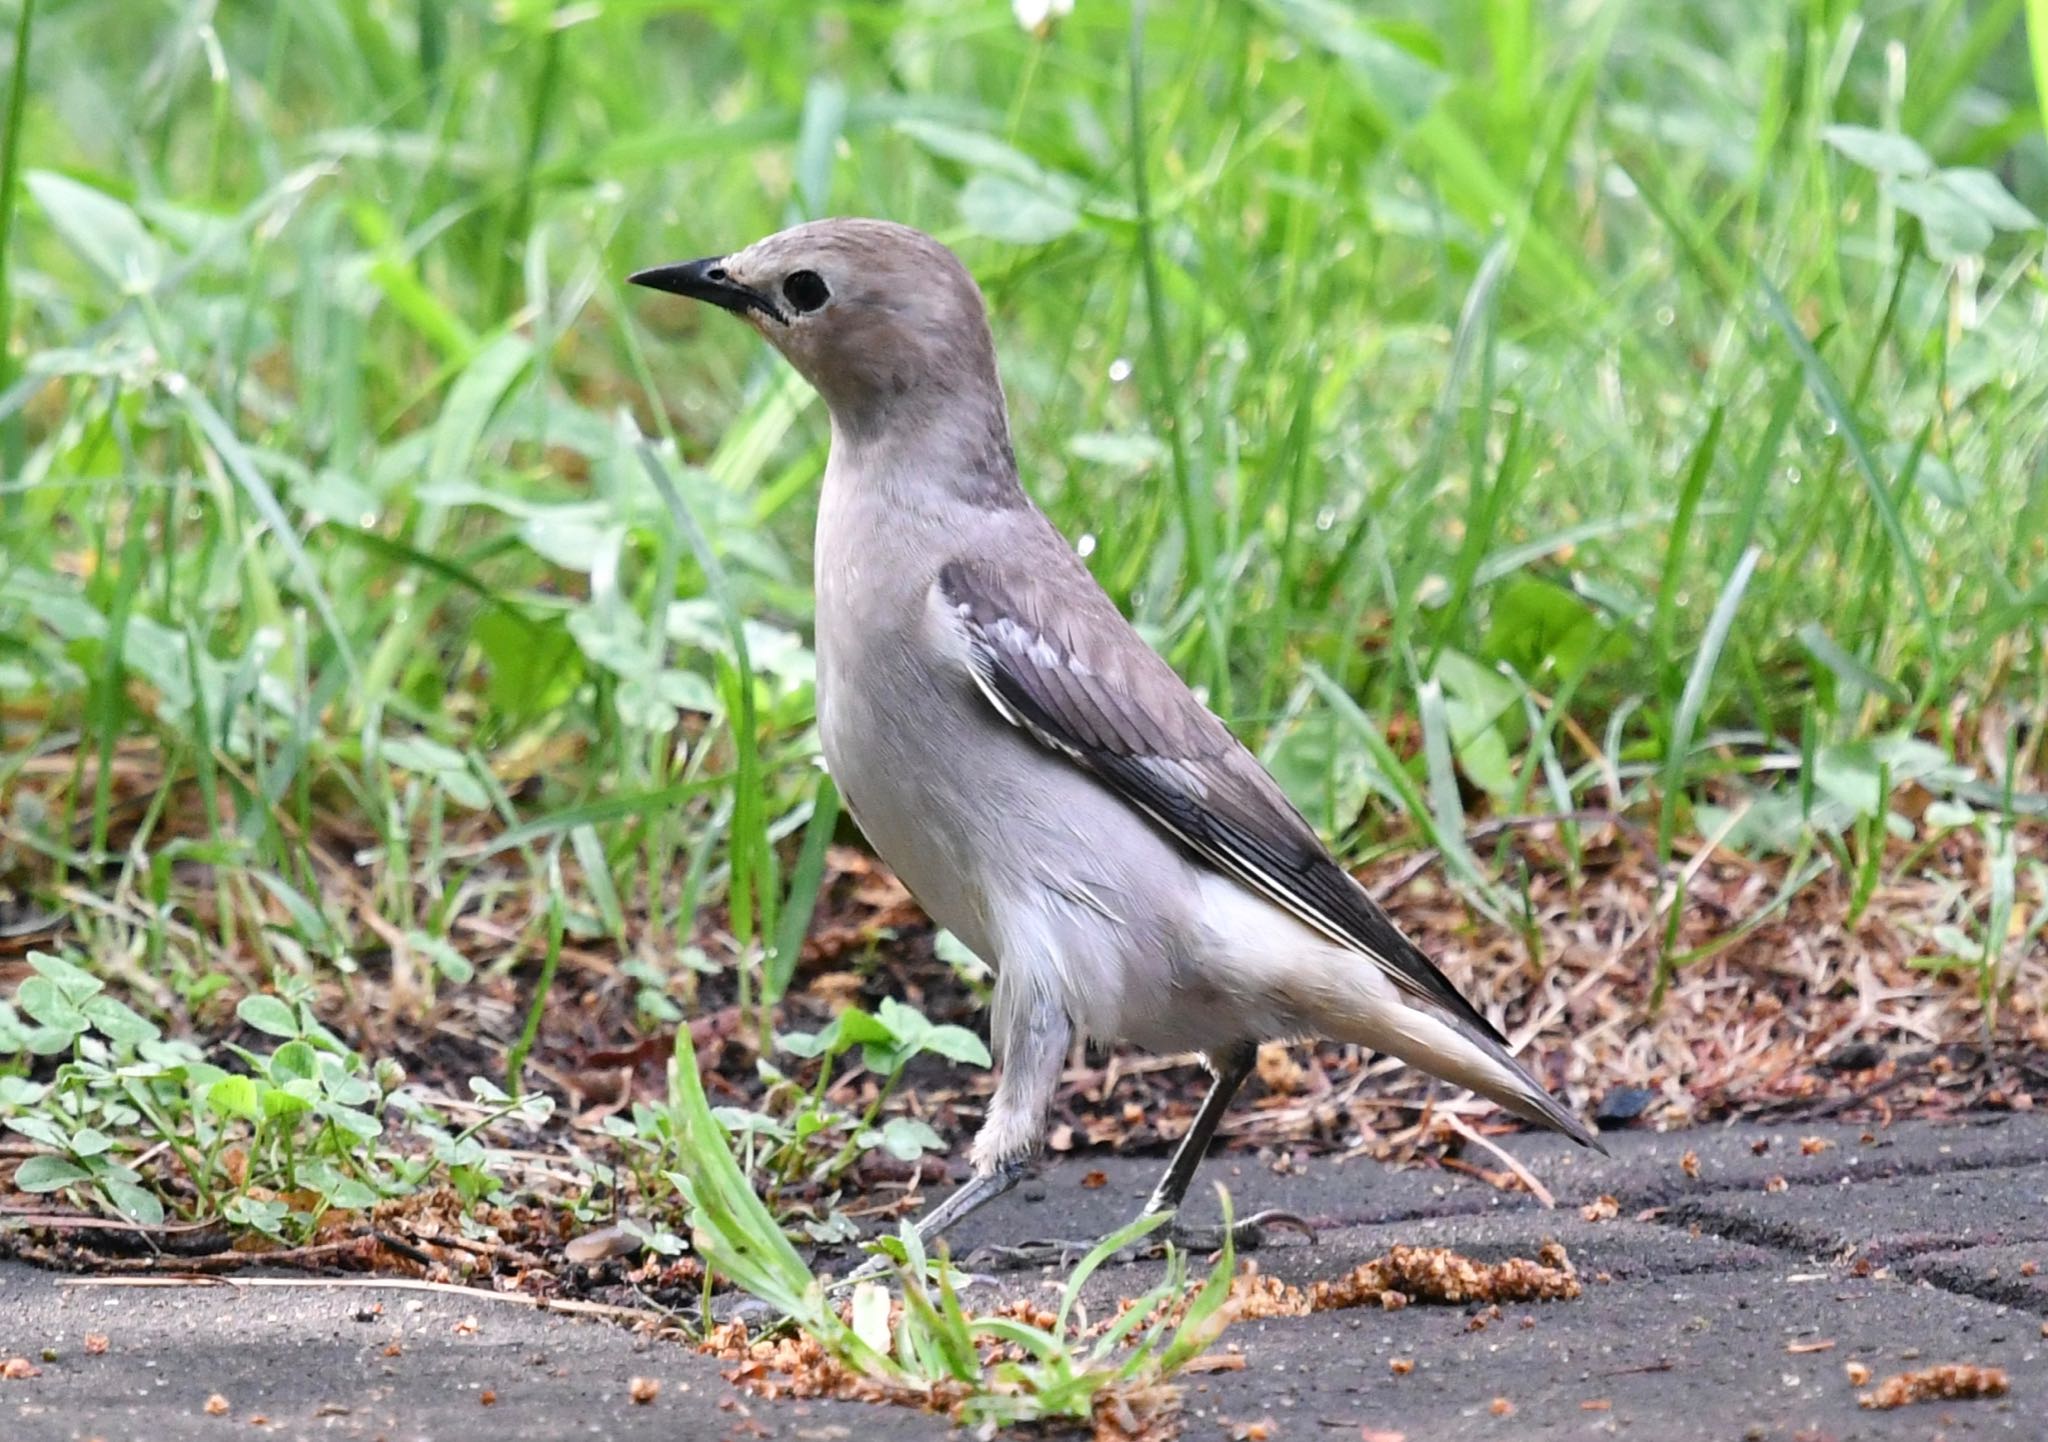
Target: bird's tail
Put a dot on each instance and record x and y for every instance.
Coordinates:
(1316, 987)
(1440, 1046)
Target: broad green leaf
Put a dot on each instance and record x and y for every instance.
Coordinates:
(1850, 671)
(107, 235)
(295, 1061)
(48, 1174)
(976, 149)
(449, 962)
(1853, 773)
(350, 1195)
(957, 1043)
(268, 1015)
(905, 1023)
(1477, 702)
(444, 765)
(853, 1027)
(1944, 815)
(1987, 193)
(117, 1022)
(133, 1201)
(359, 1124)
(280, 1104)
(1397, 84)
(19, 1091)
(235, 1096)
(1134, 451)
(957, 954)
(533, 665)
(43, 1001)
(90, 1142)
(1004, 209)
(1883, 151)
(459, 429)
(907, 1139)
(1954, 227)
(50, 1040)
(573, 543)
(73, 981)
(41, 1129)
(871, 1315)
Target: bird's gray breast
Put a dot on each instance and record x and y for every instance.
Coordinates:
(904, 734)
(1006, 843)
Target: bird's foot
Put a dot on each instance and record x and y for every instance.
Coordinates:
(1247, 1235)
(742, 1307)
(1046, 1252)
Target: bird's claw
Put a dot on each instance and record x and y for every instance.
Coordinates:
(1246, 1235)
(741, 1307)
(1046, 1252)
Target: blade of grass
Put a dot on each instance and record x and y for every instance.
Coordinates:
(2037, 48)
(225, 444)
(804, 880)
(1827, 391)
(1197, 510)
(752, 903)
(1691, 703)
(1664, 622)
(737, 1235)
(10, 189)
(1693, 700)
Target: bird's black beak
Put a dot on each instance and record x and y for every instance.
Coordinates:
(707, 280)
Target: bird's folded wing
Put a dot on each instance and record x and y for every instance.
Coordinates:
(1061, 662)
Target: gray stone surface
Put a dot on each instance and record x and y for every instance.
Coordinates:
(2015, 1275)
(1647, 1168)
(313, 1362)
(1091, 1195)
(1706, 1357)
(1721, 1305)
(1883, 1220)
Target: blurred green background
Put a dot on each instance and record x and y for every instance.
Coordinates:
(1497, 407)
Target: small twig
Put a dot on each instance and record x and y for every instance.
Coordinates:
(396, 1284)
(1527, 1178)
(405, 1249)
(77, 1222)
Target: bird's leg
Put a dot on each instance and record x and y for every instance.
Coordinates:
(980, 1187)
(1230, 1068)
(1034, 1054)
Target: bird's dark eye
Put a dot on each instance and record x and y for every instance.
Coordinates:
(806, 290)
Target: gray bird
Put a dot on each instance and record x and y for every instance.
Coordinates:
(1043, 782)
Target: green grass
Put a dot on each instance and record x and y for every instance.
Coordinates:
(933, 1355)
(1498, 374)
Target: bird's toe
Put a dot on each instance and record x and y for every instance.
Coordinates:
(1247, 1234)
(1045, 1252)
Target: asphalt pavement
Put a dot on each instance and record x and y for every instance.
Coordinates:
(1743, 1271)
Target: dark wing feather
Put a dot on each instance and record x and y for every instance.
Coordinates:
(1084, 685)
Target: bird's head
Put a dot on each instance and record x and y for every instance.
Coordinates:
(882, 319)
